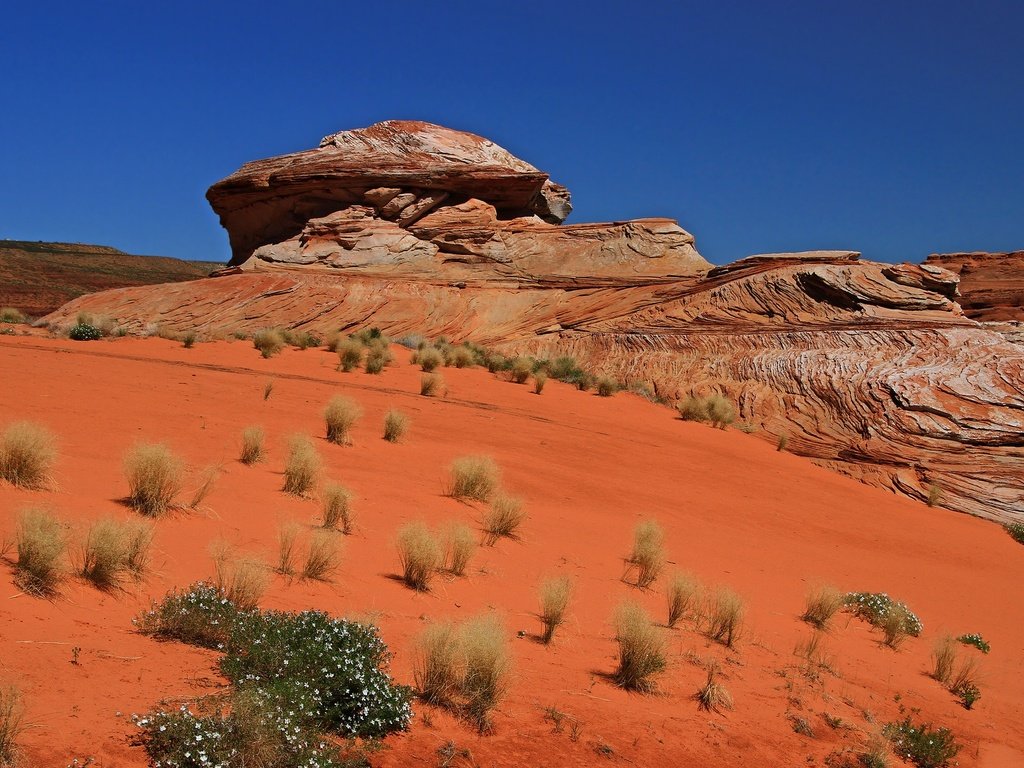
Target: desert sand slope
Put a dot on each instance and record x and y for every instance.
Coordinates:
(735, 511)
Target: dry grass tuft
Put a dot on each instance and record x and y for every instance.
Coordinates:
(934, 495)
(11, 724)
(487, 664)
(114, 550)
(340, 416)
(378, 357)
(268, 389)
(253, 450)
(539, 380)
(522, 368)
(437, 664)
(894, 628)
(606, 386)
(27, 455)
(822, 604)
(350, 355)
(681, 593)
(396, 424)
(641, 649)
(269, 341)
(474, 477)
(429, 359)
(154, 477)
(336, 504)
(503, 518)
(554, 599)
(419, 554)
(459, 546)
(323, 557)
(241, 580)
(207, 480)
(432, 385)
(287, 535)
(40, 540)
(716, 409)
(713, 696)
(724, 617)
(648, 555)
(11, 315)
(302, 468)
(944, 658)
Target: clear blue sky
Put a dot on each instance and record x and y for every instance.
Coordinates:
(894, 128)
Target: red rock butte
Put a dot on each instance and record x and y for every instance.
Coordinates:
(870, 369)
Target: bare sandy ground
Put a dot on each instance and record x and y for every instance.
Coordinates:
(736, 513)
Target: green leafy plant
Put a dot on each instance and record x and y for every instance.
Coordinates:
(84, 332)
(976, 640)
(1016, 530)
(921, 744)
(876, 607)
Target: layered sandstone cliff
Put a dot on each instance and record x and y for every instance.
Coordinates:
(991, 284)
(872, 369)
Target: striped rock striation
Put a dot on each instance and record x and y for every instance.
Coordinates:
(870, 369)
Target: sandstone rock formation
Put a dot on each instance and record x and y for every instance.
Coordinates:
(991, 284)
(871, 369)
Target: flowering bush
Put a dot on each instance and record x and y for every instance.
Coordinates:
(84, 332)
(875, 608)
(1016, 530)
(921, 745)
(976, 640)
(296, 677)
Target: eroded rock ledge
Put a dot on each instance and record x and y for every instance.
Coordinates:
(871, 369)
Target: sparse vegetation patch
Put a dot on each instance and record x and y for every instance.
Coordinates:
(474, 477)
(641, 649)
(921, 744)
(154, 477)
(878, 609)
(27, 455)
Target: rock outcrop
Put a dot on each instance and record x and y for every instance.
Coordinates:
(991, 284)
(871, 369)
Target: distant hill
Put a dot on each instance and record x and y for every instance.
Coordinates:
(38, 277)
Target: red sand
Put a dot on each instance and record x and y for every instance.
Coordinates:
(736, 513)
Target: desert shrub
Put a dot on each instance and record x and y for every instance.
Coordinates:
(648, 555)
(875, 753)
(154, 477)
(721, 412)
(461, 357)
(459, 546)
(943, 658)
(431, 385)
(287, 536)
(681, 594)
(963, 682)
(253, 450)
(350, 355)
(934, 495)
(302, 467)
(269, 341)
(188, 340)
(419, 554)
(84, 332)
(242, 581)
(40, 540)
(554, 599)
(486, 667)
(200, 615)
(411, 341)
(521, 370)
(323, 557)
(876, 607)
(496, 363)
(474, 477)
(606, 387)
(301, 339)
(336, 505)
(429, 359)
(395, 425)
(27, 455)
(377, 359)
(204, 487)
(503, 518)
(783, 443)
(822, 604)
(563, 368)
(715, 409)
(539, 380)
(282, 703)
(11, 721)
(437, 664)
(976, 640)
(724, 617)
(340, 416)
(1016, 530)
(268, 389)
(692, 409)
(713, 696)
(641, 649)
(114, 550)
(921, 744)
(11, 315)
